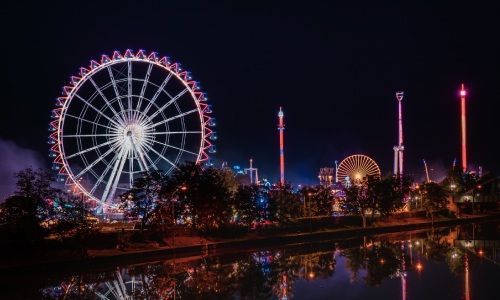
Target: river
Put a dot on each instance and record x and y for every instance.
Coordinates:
(461, 262)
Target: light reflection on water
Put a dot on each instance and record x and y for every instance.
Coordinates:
(462, 262)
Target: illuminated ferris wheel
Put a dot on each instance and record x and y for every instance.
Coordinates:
(353, 169)
(126, 114)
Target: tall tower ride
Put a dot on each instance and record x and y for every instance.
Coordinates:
(281, 128)
(398, 150)
(463, 93)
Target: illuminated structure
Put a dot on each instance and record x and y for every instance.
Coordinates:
(426, 168)
(253, 173)
(463, 118)
(398, 150)
(336, 169)
(326, 176)
(281, 128)
(354, 168)
(125, 114)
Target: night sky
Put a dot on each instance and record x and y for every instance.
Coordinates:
(334, 69)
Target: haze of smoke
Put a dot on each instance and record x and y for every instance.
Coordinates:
(13, 159)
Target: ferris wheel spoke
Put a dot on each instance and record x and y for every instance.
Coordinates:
(115, 175)
(129, 89)
(174, 147)
(172, 118)
(92, 135)
(148, 158)
(99, 90)
(173, 132)
(88, 121)
(143, 89)
(160, 155)
(97, 160)
(91, 148)
(115, 87)
(97, 110)
(160, 89)
(131, 168)
(108, 167)
(140, 159)
(101, 296)
(169, 103)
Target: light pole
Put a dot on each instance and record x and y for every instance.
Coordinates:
(309, 212)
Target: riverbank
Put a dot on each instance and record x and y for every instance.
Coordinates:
(196, 246)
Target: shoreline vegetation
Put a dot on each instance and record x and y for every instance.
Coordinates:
(202, 210)
(199, 246)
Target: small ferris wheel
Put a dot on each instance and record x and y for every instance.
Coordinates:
(353, 169)
(125, 114)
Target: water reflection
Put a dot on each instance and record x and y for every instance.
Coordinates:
(395, 264)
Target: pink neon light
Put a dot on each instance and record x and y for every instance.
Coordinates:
(281, 128)
(464, 128)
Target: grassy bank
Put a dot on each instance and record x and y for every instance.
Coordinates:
(196, 246)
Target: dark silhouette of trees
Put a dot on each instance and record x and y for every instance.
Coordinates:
(246, 204)
(284, 205)
(206, 200)
(374, 195)
(23, 216)
(387, 194)
(435, 198)
(318, 201)
(37, 210)
(356, 201)
(139, 202)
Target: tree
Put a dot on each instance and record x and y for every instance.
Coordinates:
(207, 197)
(246, 204)
(19, 219)
(356, 201)
(387, 194)
(435, 198)
(140, 201)
(23, 214)
(284, 204)
(72, 219)
(318, 199)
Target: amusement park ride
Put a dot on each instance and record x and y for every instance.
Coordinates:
(398, 150)
(281, 129)
(125, 114)
(135, 111)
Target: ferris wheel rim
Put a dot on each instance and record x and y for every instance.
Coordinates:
(359, 163)
(116, 120)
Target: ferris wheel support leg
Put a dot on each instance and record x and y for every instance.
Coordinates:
(142, 162)
(112, 176)
(117, 177)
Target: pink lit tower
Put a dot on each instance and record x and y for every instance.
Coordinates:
(281, 128)
(399, 148)
(463, 118)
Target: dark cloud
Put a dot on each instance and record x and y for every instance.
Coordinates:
(13, 159)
